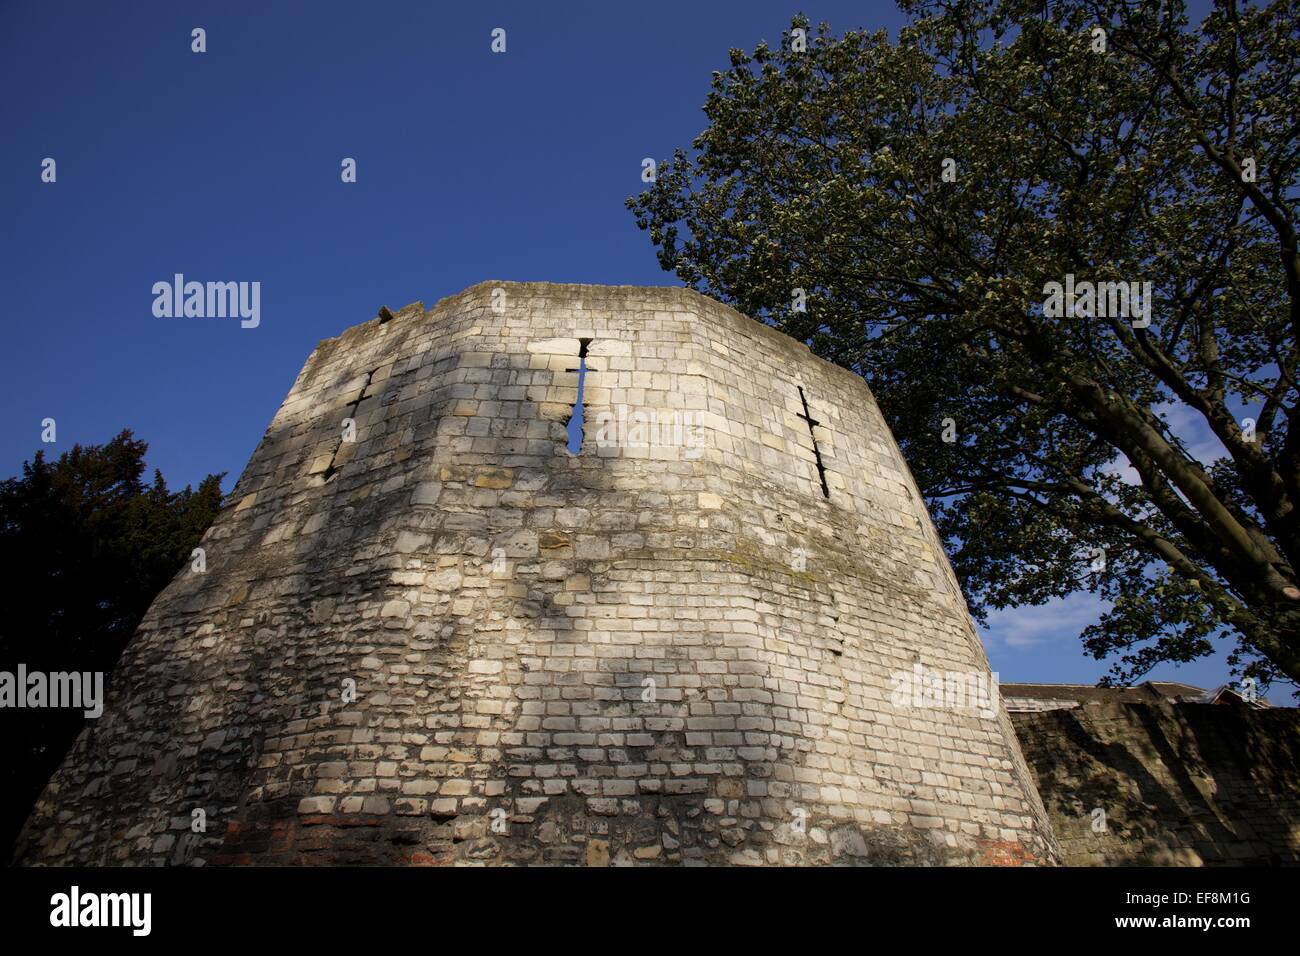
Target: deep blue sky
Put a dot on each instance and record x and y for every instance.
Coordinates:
(225, 166)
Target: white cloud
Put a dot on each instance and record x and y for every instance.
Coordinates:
(1058, 619)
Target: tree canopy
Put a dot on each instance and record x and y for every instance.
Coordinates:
(923, 193)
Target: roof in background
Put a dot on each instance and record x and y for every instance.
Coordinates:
(1144, 693)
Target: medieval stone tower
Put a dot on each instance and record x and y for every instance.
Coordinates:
(451, 640)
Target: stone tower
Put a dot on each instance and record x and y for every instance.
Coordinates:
(427, 632)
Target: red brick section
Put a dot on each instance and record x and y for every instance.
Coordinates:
(1005, 853)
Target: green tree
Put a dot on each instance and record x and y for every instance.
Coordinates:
(85, 546)
(924, 191)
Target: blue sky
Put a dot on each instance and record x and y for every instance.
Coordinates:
(225, 166)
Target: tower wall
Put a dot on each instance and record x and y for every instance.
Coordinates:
(677, 650)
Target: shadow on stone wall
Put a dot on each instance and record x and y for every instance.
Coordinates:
(228, 698)
(1179, 784)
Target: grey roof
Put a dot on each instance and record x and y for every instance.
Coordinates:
(1146, 692)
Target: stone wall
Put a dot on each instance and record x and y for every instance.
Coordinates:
(686, 652)
(1179, 784)
(1018, 705)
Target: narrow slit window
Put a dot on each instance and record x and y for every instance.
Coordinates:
(817, 455)
(334, 467)
(575, 425)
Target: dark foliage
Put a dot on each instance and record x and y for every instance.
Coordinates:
(85, 546)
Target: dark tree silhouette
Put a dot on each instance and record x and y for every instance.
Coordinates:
(85, 545)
